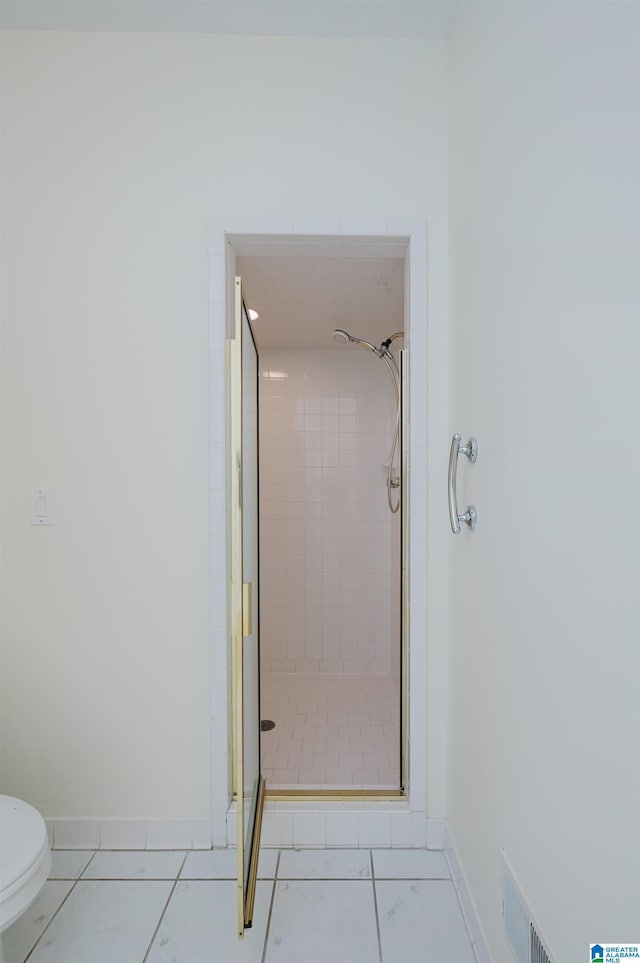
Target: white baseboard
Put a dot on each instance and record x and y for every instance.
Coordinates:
(467, 904)
(304, 824)
(438, 836)
(129, 833)
(344, 825)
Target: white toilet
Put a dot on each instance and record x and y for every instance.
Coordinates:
(25, 859)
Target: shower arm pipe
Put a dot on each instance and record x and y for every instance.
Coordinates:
(365, 344)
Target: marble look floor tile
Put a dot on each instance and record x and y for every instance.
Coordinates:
(318, 921)
(223, 864)
(324, 864)
(68, 863)
(20, 938)
(104, 922)
(199, 925)
(409, 864)
(138, 864)
(421, 922)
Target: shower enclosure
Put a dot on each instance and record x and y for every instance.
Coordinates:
(330, 572)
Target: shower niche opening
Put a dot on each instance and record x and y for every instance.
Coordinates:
(331, 487)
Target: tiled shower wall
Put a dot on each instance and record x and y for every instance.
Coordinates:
(329, 559)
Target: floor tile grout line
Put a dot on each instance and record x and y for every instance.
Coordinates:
(130, 879)
(75, 883)
(87, 864)
(324, 879)
(273, 897)
(164, 909)
(105, 879)
(375, 905)
(159, 923)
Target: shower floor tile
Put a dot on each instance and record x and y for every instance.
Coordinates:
(331, 731)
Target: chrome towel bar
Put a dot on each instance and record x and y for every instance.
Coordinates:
(470, 516)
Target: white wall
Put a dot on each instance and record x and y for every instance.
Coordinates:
(118, 149)
(544, 160)
(326, 581)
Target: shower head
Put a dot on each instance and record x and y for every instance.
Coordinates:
(343, 337)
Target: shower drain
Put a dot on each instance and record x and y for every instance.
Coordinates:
(266, 725)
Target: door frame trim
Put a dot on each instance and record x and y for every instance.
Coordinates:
(425, 323)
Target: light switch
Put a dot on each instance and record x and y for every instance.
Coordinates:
(41, 506)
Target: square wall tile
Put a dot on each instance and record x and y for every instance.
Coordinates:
(219, 828)
(374, 829)
(419, 830)
(401, 830)
(342, 829)
(277, 829)
(76, 834)
(123, 834)
(201, 834)
(168, 834)
(309, 829)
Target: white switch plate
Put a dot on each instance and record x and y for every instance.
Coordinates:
(41, 506)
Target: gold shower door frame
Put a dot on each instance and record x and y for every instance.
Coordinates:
(243, 610)
(242, 491)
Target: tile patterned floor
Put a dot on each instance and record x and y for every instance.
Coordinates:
(312, 906)
(334, 731)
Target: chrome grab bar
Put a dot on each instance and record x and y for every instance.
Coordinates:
(470, 516)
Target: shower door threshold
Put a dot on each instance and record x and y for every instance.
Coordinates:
(336, 795)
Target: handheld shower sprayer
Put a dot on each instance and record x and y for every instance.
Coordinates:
(343, 337)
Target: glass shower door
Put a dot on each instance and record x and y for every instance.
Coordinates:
(242, 368)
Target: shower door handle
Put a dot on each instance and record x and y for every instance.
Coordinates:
(470, 516)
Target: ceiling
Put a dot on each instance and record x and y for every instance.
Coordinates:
(301, 300)
(308, 18)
